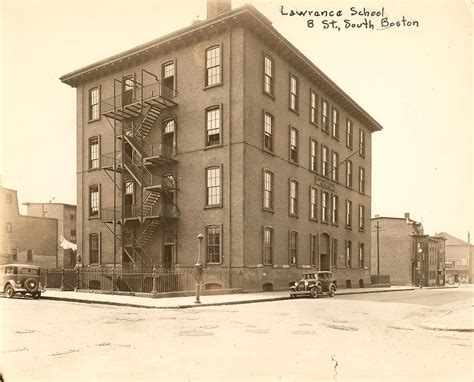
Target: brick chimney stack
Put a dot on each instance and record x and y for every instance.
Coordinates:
(217, 7)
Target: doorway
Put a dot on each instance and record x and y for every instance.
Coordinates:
(325, 253)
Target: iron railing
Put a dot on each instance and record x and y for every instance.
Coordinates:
(139, 280)
(159, 209)
(140, 94)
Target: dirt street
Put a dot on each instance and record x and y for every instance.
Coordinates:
(364, 337)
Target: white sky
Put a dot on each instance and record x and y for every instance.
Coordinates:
(416, 82)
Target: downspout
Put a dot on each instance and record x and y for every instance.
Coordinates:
(229, 139)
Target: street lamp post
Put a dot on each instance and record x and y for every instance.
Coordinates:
(420, 251)
(199, 271)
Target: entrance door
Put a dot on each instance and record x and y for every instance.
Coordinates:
(127, 90)
(325, 252)
(168, 253)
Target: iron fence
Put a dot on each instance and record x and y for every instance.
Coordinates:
(141, 280)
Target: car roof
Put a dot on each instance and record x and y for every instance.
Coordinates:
(20, 265)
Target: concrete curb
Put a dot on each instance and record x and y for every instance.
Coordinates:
(185, 306)
(446, 329)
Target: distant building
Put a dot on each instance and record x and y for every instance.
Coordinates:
(406, 253)
(66, 215)
(457, 258)
(26, 239)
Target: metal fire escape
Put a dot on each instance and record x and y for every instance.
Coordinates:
(132, 113)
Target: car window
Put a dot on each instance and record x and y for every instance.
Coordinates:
(10, 270)
(31, 271)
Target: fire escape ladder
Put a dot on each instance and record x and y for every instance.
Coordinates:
(147, 232)
(148, 203)
(136, 169)
(147, 123)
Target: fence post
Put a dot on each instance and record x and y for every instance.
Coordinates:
(46, 278)
(62, 280)
(113, 279)
(77, 278)
(154, 292)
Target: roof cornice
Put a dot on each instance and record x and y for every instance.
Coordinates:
(261, 25)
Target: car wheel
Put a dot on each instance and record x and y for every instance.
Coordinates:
(313, 292)
(36, 295)
(292, 295)
(332, 291)
(31, 285)
(9, 291)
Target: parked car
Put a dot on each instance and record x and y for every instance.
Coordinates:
(20, 278)
(314, 284)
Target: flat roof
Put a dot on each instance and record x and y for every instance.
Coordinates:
(62, 204)
(245, 13)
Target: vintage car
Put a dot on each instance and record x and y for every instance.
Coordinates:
(20, 278)
(314, 284)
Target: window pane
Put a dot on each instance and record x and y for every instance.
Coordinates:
(213, 66)
(213, 186)
(213, 127)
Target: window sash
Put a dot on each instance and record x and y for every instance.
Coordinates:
(213, 186)
(268, 245)
(348, 253)
(268, 190)
(213, 126)
(313, 112)
(313, 200)
(293, 248)
(94, 248)
(94, 153)
(94, 104)
(334, 214)
(94, 201)
(325, 117)
(349, 133)
(213, 247)
(335, 166)
(361, 217)
(361, 179)
(349, 213)
(314, 256)
(268, 75)
(349, 174)
(293, 93)
(324, 161)
(293, 145)
(361, 255)
(335, 123)
(324, 206)
(213, 66)
(268, 131)
(314, 155)
(293, 197)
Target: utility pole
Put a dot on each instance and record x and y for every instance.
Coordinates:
(469, 261)
(378, 248)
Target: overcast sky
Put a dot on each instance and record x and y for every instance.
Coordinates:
(417, 82)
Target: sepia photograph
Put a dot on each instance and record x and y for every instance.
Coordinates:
(236, 190)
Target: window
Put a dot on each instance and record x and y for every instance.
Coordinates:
(361, 179)
(94, 248)
(168, 79)
(313, 245)
(361, 217)
(267, 245)
(348, 213)
(267, 190)
(72, 234)
(348, 253)
(324, 161)
(335, 123)
(313, 203)
(14, 254)
(293, 198)
(335, 166)
(72, 216)
(361, 142)
(213, 126)
(213, 66)
(8, 227)
(8, 198)
(325, 116)
(128, 83)
(213, 244)
(349, 133)
(313, 107)
(94, 202)
(293, 145)
(349, 173)
(213, 186)
(94, 153)
(313, 159)
(29, 255)
(361, 255)
(335, 207)
(293, 93)
(268, 132)
(94, 104)
(268, 76)
(324, 206)
(293, 248)
(334, 253)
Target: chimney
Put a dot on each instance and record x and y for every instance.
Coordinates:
(407, 217)
(217, 7)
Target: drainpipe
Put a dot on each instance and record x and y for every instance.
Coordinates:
(229, 137)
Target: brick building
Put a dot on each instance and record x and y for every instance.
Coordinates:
(406, 253)
(457, 257)
(26, 239)
(222, 128)
(66, 216)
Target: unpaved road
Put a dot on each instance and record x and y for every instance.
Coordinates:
(364, 337)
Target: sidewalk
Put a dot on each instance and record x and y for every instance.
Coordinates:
(188, 302)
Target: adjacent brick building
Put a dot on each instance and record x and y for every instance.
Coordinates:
(222, 128)
(26, 239)
(66, 216)
(458, 253)
(402, 250)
